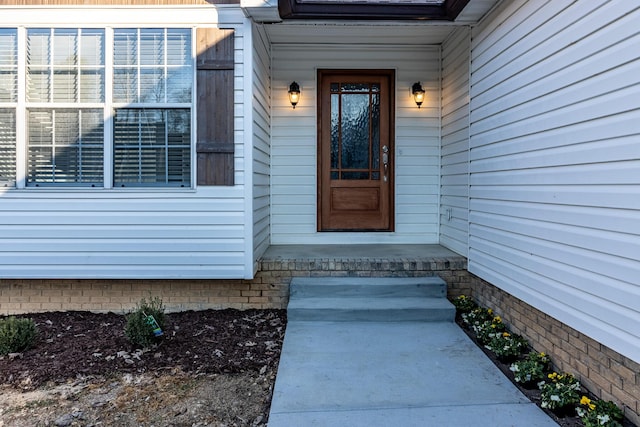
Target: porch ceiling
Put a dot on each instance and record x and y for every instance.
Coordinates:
(390, 33)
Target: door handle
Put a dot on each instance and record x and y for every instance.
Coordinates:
(385, 162)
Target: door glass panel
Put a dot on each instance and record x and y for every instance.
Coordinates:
(355, 175)
(375, 131)
(335, 130)
(355, 131)
(355, 87)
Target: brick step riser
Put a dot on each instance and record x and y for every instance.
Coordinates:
(432, 287)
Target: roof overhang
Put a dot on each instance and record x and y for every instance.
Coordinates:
(431, 10)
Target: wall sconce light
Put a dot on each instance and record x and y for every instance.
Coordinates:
(418, 93)
(294, 94)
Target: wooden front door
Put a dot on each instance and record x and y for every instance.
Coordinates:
(355, 147)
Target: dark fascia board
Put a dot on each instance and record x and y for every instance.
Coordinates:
(294, 9)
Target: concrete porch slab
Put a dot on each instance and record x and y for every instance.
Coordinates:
(287, 252)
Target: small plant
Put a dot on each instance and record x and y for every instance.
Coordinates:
(507, 346)
(488, 329)
(145, 324)
(464, 304)
(477, 316)
(560, 392)
(532, 369)
(599, 413)
(16, 335)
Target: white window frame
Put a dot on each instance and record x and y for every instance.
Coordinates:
(108, 107)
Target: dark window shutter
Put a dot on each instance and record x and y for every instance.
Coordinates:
(214, 145)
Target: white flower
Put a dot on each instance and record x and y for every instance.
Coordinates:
(555, 398)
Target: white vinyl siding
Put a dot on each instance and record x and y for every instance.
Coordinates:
(555, 161)
(294, 147)
(261, 140)
(454, 181)
(130, 233)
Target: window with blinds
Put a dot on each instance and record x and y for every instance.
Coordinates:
(65, 79)
(8, 99)
(152, 95)
(57, 98)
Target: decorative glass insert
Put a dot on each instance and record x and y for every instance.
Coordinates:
(355, 131)
(152, 146)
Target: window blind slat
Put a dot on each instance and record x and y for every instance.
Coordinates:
(7, 146)
(152, 146)
(65, 146)
(8, 65)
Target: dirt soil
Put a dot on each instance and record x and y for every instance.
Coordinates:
(212, 368)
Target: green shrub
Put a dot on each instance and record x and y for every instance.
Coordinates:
(16, 335)
(139, 328)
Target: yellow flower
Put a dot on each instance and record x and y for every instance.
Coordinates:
(587, 402)
(552, 376)
(542, 354)
(497, 319)
(490, 311)
(506, 334)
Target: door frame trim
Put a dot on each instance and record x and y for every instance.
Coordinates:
(391, 74)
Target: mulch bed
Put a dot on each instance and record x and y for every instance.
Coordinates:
(79, 344)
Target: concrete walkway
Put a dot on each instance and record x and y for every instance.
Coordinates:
(392, 374)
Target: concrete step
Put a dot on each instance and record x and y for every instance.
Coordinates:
(361, 299)
(371, 309)
(357, 287)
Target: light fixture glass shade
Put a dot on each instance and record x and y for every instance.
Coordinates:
(294, 94)
(418, 93)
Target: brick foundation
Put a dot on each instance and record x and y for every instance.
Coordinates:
(604, 372)
(120, 296)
